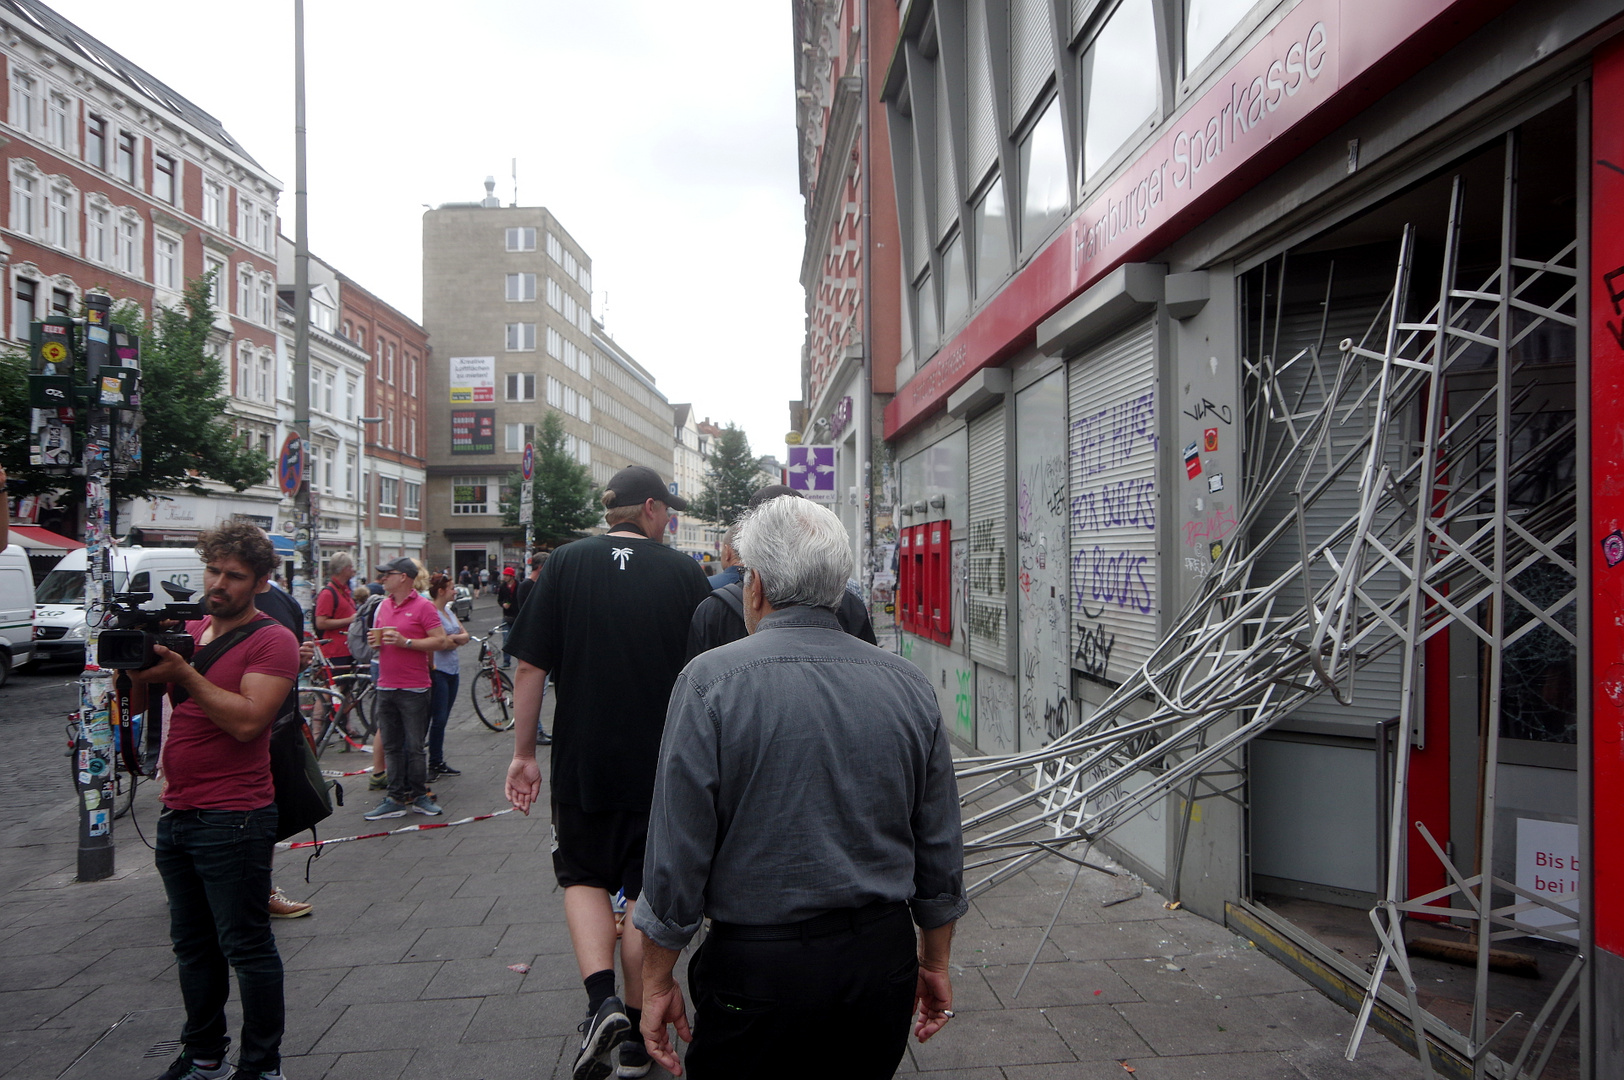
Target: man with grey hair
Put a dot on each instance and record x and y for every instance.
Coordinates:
(730, 559)
(805, 803)
(335, 610)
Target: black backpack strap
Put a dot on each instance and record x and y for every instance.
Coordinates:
(733, 596)
(205, 657)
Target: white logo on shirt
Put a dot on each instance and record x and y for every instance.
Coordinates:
(622, 554)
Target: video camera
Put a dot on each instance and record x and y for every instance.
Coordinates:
(127, 645)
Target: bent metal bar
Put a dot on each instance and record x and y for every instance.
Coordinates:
(1316, 68)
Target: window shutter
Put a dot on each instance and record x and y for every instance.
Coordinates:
(987, 616)
(1031, 53)
(947, 181)
(982, 140)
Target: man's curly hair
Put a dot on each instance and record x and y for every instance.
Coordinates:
(238, 540)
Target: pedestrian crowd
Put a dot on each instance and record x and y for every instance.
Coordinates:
(731, 749)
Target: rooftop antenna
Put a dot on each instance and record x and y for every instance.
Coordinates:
(515, 181)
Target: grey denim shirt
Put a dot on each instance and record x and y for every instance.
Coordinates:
(801, 771)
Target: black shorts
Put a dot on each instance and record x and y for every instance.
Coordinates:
(603, 850)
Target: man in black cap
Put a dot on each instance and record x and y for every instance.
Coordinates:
(608, 619)
(720, 619)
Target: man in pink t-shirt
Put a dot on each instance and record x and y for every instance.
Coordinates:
(406, 633)
(218, 826)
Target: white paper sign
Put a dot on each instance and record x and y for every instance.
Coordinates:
(1548, 864)
(473, 380)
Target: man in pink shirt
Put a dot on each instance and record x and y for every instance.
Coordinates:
(406, 633)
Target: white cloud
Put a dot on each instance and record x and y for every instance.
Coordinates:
(662, 135)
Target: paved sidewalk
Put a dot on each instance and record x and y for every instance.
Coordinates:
(403, 970)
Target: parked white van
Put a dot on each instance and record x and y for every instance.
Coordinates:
(16, 611)
(59, 618)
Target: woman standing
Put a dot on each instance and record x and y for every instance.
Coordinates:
(441, 591)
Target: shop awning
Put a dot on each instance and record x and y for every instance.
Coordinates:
(282, 544)
(38, 541)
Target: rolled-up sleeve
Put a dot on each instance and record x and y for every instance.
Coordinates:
(682, 822)
(938, 896)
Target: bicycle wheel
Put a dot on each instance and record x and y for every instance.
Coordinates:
(321, 718)
(492, 691)
(123, 794)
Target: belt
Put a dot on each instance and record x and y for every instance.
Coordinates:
(830, 922)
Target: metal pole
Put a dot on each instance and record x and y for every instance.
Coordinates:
(308, 527)
(865, 395)
(93, 746)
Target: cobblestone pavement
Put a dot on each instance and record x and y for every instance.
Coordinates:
(405, 969)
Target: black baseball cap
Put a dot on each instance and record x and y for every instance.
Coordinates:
(772, 491)
(634, 484)
(401, 565)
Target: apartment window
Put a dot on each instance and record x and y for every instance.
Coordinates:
(585, 320)
(1206, 24)
(572, 310)
(585, 278)
(61, 218)
(414, 498)
(388, 496)
(521, 239)
(570, 265)
(214, 204)
(929, 331)
(555, 296)
(555, 393)
(411, 376)
(328, 478)
(521, 286)
(572, 401)
(245, 370)
(24, 203)
(267, 302)
(1045, 198)
(96, 141)
(129, 246)
(361, 336)
(955, 287)
(555, 343)
(166, 262)
(471, 494)
(23, 301)
(350, 388)
(517, 435)
(327, 392)
(349, 474)
(216, 271)
(56, 121)
(586, 364)
(583, 452)
(585, 410)
(1120, 80)
(62, 303)
(245, 291)
(521, 386)
(991, 222)
(521, 337)
(570, 355)
(124, 165)
(99, 235)
(267, 375)
(24, 101)
(411, 434)
(267, 231)
(389, 428)
(554, 248)
(265, 443)
(163, 178)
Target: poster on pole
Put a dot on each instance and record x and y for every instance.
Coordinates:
(473, 380)
(812, 472)
(527, 502)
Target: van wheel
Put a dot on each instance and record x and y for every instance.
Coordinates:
(5, 668)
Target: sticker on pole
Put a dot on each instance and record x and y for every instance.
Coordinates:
(812, 471)
(290, 464)
(528, 466)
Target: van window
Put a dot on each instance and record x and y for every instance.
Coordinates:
(141, 582)
(14, 592)
(68, 587)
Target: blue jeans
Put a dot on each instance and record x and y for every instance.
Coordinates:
(216, 870)
(403, 724)
(443, 694)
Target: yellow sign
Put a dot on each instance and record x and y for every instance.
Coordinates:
(53, 352)
(793, 439)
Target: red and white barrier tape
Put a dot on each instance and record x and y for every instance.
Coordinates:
(334, 774)
(288, 845)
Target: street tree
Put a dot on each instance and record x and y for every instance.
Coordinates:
(732, 475)
(186, 436)
(566, 504)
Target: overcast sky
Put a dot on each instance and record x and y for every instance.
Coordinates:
(661, 134)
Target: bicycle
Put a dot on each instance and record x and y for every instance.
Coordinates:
(336, 706)
(491, 688)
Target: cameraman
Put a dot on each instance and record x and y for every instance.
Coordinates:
(216, 832)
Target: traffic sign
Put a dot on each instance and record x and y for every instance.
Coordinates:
(528, 468)
(812, 472)
(290, 464)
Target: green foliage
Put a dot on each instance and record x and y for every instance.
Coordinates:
(566, 504)
(731, 477)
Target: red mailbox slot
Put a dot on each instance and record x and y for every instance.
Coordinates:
(939, 580)
(921, 584)
(906, 581)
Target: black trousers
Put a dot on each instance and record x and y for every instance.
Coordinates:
(832, 1005)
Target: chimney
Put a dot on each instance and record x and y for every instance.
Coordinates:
(490, 193)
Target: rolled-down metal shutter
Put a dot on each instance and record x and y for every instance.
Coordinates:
(1114, 505)
(982, 140)
(987, 616)
(921, 221)
(947, 181)
(1031, 53)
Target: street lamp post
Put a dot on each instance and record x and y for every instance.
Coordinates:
(364, 518)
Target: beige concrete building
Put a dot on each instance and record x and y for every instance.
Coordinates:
(507, 301)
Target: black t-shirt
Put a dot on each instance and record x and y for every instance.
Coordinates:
(609, 619)
(525, 587)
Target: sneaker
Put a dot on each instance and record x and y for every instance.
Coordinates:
(601, 1032)
(388, 808)
(634, 1059)
(378, 782)
(425, 804)
(442, 769)
(542, 738)
(283, 908)
(257, 1075)
(184, 1068)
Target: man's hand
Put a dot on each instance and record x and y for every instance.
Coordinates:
(388, 635)
(933, 1001)
(662, 1005)
(307, 653)
(523, 783)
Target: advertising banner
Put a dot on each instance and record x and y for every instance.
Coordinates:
(473, 431)
(473, 380)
